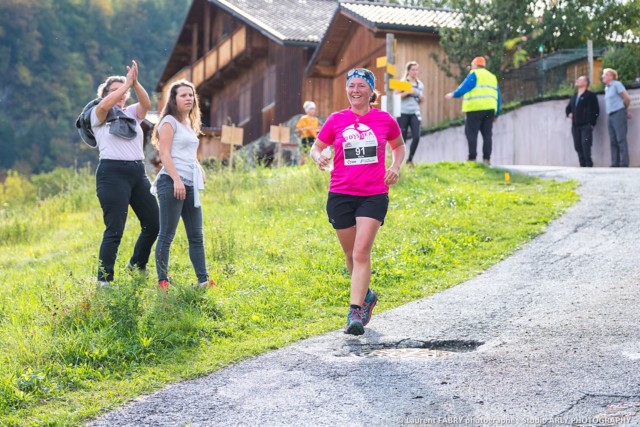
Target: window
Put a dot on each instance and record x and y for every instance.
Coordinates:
(244, 108)
(220, 113)
(269, 88)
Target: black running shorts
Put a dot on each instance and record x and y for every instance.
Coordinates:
(343, 209)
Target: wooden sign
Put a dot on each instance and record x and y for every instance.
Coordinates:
(233, 136)
(399, 85)
(391, 69)
(280, 134)
(381, 62)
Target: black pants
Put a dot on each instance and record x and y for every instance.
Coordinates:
(479, 121)
(582, 140)
(308, 142)
(410, 120)
(118, 185)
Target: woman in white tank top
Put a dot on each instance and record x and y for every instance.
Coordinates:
(180, 180)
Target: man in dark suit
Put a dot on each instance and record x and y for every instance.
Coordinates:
(583, 110)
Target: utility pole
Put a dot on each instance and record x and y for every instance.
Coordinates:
(590, 59)
(391, 59)
(390, 84)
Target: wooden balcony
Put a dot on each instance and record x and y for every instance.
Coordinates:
(215, 60)
(239, 49)
(185, 74)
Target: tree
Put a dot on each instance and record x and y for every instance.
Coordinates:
(53, 54)
(485, 27)
(565, 24)
(626, 61)
(508, 31)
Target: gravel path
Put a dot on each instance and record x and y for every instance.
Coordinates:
(547, 337)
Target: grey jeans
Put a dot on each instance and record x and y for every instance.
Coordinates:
(618, 138)
(171, 210)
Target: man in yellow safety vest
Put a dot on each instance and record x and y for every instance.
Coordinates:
(481, 103)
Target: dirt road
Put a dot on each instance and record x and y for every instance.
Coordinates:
(550, 336)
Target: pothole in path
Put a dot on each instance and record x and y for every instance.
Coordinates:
(414, 349)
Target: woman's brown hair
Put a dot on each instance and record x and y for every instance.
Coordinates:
(171, 108)
(103, 89)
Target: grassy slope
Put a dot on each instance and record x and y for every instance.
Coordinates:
(70, 351)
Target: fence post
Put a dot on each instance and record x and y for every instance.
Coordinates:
(590, 59)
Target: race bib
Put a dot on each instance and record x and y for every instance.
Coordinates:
(360, 145)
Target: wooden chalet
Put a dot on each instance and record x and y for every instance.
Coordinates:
(247, 59)
(254, 62)
(357, 36)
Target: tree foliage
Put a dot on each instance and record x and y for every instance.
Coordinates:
(54, 53)
(626, 61)
(508, 32)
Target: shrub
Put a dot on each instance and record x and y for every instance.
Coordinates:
(55, 182)
(626, 61)
(17, 189)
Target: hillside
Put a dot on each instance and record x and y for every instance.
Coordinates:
(54, 54)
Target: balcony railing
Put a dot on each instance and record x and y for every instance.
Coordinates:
(214, 60)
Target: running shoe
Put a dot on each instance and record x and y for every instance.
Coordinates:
(163, 285)
(208, 284)
(354, 322)
(370, 301)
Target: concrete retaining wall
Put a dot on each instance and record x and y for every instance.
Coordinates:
(538, 134)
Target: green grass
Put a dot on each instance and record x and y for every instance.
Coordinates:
(69, 351)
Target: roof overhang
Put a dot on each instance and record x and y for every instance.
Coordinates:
(261, 27)
(336, 30)
(193, 16)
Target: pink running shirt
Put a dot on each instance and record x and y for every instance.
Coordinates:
(359, 144)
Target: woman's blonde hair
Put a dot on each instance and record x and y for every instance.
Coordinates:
(171, 108)
(611, 71)
(406, 70)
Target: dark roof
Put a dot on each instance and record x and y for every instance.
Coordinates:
(301, 22)
(567, 56)
(397, 17)
(561, 58)
(380, 18)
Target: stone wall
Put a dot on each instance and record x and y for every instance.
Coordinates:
(538, 134)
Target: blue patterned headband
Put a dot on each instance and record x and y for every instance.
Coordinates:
(363, 73)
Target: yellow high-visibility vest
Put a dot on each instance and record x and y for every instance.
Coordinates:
(485, 95)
